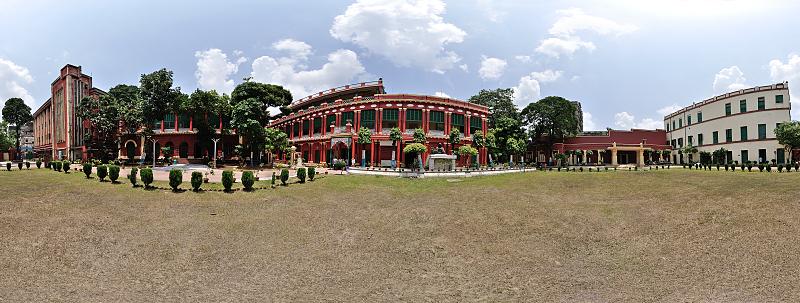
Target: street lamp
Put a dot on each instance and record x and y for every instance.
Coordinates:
(215, 151)
(154, 140)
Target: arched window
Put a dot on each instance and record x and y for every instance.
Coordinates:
(130, 149)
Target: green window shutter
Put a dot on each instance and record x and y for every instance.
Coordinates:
(742, 106)
(414, 115)
(331, 119)
(761, 105)
(728, 135)
(744, 156)
(318, 125)
(390, 114)
(762, 131)
(778, 98)
(437, 120)
(699, 139)
(475, 124)
(691, 141)
(715, 137)
(680, 122)
(688, 120)
(347, 116)
(743, 133)
(169, 121)
(699, 117)
(183, 121)
(368, 119)
(727, 109)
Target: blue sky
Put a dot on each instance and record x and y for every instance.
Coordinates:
(627, 61)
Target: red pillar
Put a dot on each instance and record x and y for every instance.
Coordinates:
(357, 123)
(379, 123)
(402, 120)
(353, 147)
(425, 118)
(466, 126)
(177, 118)
(372, 151)
(191, 122)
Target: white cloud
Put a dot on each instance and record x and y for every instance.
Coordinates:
(297, 50)
(523, 58)
(588, 123)
(492, 68)
(342, 67)
(789, 71)
(406, 32)
(441, 94)
(489, 7)
(529, 88)
(464, 67)
(729, 79)
(13, 79)
(666, 110)
(625, 120)
(564, 38)
(214, 70)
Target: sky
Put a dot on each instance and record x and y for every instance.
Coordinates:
(629, 62)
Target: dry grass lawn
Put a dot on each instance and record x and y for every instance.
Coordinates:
(659, 236)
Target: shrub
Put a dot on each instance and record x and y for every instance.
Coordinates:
(797, 166)
(726, 167)
(8, 166)
(339, 165)
(741, 167)
(311, 172)
(247, 180)
(175, 178)
(749, 166)
(102, 172)
(733, 167)
(301, 174)
(197, 180)
(132, 176)
(38, 163)
(66, 166)
(87, 170)
(19, 165)
(57, 165)
(113, 173)
(147, 176)
(227, 179)
(780, 168)
(769, 168)
(760, 167)
(273, 179)
(284, 176)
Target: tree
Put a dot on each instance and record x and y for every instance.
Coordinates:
(506, 128)
(250, 103)
(515, 147)
(275, 141)
(788, 135)
(129, 103)
(419, 136)
(198, 105)
(478, 139)
(268, 95)
(454, 138)
(18, 113)
(157, 96)
(246, 118)
(103, 114)
(395, 135)
(500, 103)
(364, 138)
(551, 120)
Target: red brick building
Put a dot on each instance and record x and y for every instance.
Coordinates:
(613, 147)
(324, 126)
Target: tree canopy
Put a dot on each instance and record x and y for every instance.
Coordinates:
(129, 101)
(500, 103)
(104, 115)
(158, 96)
(267, 95)
(788, 135)
(18, 113)
(551, 120)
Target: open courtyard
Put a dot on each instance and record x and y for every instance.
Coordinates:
(667, 235)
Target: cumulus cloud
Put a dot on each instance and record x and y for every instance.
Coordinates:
(441, 94)
(464, 67)
(13, 79)
(789, 71)
(625, 120)
(342, 67)
(523, 58)
(491, 9)
(565, 40)
(729, 79)
(297, 51)
(529, 88)
(214, 70)
(406, 32)
(588, 123)
(492, 68)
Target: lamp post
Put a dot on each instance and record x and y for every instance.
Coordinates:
(154, 140)
(215, 151)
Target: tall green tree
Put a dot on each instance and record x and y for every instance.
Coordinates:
(268, 96)
(506, 128)
(129, 100)
(158, 96)
(18, 113)
(364, 138)
(500, 103)
(250, 103)
(6, 140)
(551, 120)
(198, 106)
(788, 135)
(275, 141)
(103, 114)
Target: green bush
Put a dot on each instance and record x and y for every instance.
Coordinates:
(339, 165)
(19, 165)
(227, 180)
(769, 168)
(311, 172)
(57, 165)
(113, 173)
(102, 172)
(8, 166)
(273, 179)
(27, 165)
(132, 176)
(66, 166)
(87, 170)
(175, 178)
(780, 168)
(301, 174)
(284, 176)
(197, 180)
(147, 176)
(247, 180)
(38, 163)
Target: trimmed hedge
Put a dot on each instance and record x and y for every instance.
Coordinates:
(66, 166)
(197, 180)
(87, 170)
(311, 172)
(38, 163)
(19, 165)
(248, 180)
(284, 176)
(301, 174)
(175, 178)
(8, 166)
(227, 180)
(102, 172)
(113, 173)
(28, 165)
(132, 176)
(147, 176)
(57, 165)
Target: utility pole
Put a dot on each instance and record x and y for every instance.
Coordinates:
(154, 140)
(215, 151)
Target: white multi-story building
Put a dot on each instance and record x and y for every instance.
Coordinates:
(742, 122)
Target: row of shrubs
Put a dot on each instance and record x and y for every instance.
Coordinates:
(749, 166)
